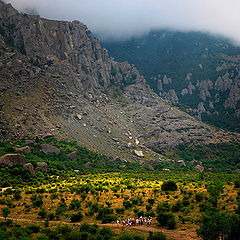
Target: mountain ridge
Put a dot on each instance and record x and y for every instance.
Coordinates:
(196, 71)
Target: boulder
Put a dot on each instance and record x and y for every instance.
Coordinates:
(78, 117)
(166, 170)
(47, 136)
(9, 159)
(199, 168)
(30, 167)
(181, 163)
(73, 155)
(130, 145)
(138, 153)
(47, 148)
(195, 163)
(42, 166)
(88, 165)
(24, 150)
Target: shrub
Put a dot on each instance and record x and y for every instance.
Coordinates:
(199, 196)
(89, 228)
(148, 207)
(127, 204)
(75, 204)
(103, 212)
(42, 213)
(76, 217)
(156, 236)
(34, 228)
(37, 200)
(185, 201)
(163, 207)
(237, 183)
(177, 206)
(108, 218)
(127, 236)
(17, 195)
(120, 210)
(5, 212)
(169, 186)
(151, 201)
(166, 219)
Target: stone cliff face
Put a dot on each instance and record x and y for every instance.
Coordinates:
(56, 78)
(71, 43)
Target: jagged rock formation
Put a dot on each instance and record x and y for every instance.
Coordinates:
(11, 159)
(57, 80)
(198, 71)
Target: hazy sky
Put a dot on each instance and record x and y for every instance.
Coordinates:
(121, 18)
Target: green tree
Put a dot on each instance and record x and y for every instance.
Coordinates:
(5, 212)
(215, 189)
(169, 186)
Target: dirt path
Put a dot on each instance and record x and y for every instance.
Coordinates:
(176, 234)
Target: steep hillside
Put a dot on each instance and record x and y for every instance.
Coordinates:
(56, 79)
(197, 71)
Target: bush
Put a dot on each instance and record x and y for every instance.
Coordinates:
(109, 218)
(34, 228)
(120, 210)
(177, 206)
(89, 228)
(166, 219)
(169, 186)
(185, 201)
(156, 236)
(103, 212)
(75, 204)
(37, 200)
(163, 207)
(76, 217)
(151, 201)
(127, 236)
(127, 204)
(42, 213)
(199, 196)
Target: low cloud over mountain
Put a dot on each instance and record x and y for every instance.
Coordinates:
(124, 18)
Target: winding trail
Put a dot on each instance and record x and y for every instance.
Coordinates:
(176, 234)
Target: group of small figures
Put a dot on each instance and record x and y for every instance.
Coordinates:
(138, 221)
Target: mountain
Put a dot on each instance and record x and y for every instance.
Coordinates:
(56, 79)
(196, 71)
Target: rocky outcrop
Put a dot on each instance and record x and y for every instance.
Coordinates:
(42, 166)
(73, 155)
(8, 160)
(181, 163)
(24, 150)
(30, 167)
(138, 153)
(47, 148)
(199, 168)
(88, 165)
(195, 163)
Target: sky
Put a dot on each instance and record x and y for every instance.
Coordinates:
(119, 19)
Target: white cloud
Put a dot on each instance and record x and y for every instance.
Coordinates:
(121, 18)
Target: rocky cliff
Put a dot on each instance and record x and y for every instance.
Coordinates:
(195, 70)
(56, 79)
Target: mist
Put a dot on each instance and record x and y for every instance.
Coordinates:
(121, 19)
